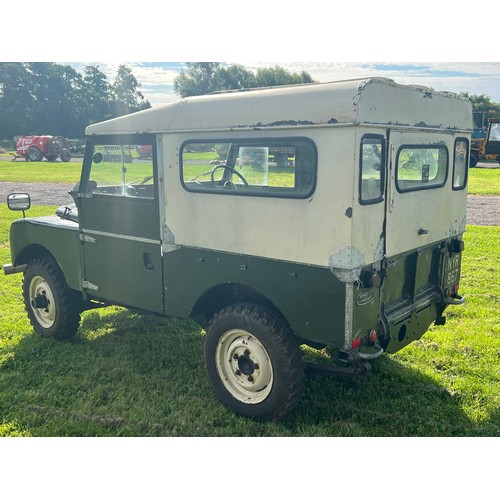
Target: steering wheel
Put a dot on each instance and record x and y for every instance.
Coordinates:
(232, 170)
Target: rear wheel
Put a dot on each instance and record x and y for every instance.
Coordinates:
(34, 154)
(253, 362)
(52, 307)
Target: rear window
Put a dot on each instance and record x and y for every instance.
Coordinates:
(372, 169)
(421, 167)
(264, 167)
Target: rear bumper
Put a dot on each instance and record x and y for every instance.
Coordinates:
(407, 320)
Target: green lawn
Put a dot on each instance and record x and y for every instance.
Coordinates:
(484, 181)
(42, 171)
(130, 375)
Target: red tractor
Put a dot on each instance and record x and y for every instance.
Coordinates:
(36, 147)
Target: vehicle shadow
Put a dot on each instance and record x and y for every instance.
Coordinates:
(126, 374)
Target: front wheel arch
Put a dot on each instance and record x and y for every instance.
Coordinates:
(31, 252)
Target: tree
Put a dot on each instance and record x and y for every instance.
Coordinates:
(199, 78)
(98, 95)
(483, 108)
(236, 76)
(271, 77)
(16, 100)
(54, 99)
(58, 92)
(128, 98)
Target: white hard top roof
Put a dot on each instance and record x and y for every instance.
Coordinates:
(368, 100)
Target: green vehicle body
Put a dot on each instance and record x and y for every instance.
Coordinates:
(182, 245)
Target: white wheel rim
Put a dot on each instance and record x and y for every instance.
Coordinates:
(244, 366)
(46, 315)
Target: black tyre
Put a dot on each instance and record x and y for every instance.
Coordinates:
(53, 308)
(473, 160)
(253, 362)
(34, 154)
(65, 155)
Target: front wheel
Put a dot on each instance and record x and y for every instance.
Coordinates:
(253, 362)
(52, 307)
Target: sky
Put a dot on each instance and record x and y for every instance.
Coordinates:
(145, 35)
(156, 78)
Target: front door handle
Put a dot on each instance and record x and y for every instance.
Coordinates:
(422, 231)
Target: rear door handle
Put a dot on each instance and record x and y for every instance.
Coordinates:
(422, 231)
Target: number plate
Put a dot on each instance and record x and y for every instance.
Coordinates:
(451, 270)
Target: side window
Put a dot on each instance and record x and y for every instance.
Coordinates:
(122, 170)
(494, 132)
(460, 160)
(273, 167)
(372, 169)
(421, 167)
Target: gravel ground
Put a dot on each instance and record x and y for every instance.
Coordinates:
(481, 210)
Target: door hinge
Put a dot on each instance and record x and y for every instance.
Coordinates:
(87, 238)
(89, 286)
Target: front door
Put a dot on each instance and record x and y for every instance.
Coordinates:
(120, 222)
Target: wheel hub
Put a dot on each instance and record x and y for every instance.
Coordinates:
(42, 302)
(244, 366)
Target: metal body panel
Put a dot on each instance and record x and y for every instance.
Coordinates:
(306, 231)
(123, 263)
(367, 100)
(420, 217)
(414, 291)
(310, 298)
(124, 272)
(59, 237)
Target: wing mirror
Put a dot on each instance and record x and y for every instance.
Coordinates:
(19, 202)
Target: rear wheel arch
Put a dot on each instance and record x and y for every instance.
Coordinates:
(226, 294)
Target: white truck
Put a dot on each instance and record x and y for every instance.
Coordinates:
(325, 214)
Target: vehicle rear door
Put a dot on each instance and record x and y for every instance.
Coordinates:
(421, 208)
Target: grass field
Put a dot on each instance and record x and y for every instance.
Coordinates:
(131, 375)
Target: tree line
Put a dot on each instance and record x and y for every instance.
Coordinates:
(54, 99)
(199, 78)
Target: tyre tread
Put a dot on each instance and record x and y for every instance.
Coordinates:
(69, 301)
(292, 369)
